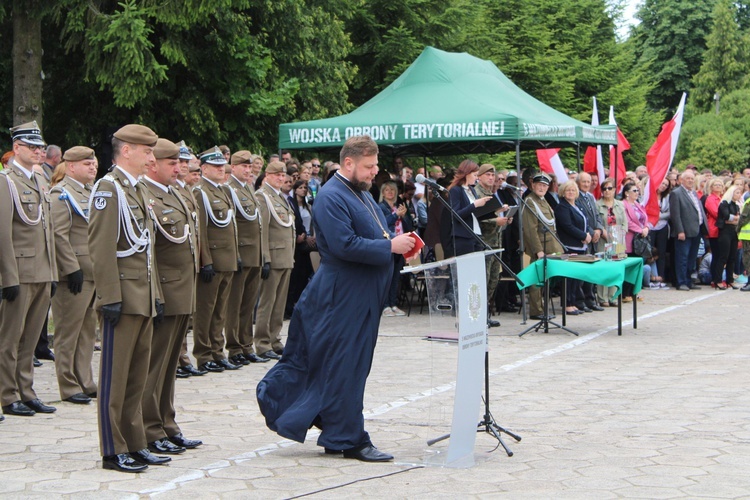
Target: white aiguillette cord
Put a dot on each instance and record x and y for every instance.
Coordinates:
(240, 209)
(207, 207)
(19, 206)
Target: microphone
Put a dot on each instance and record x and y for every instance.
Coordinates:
(429, 182)
(505, 185)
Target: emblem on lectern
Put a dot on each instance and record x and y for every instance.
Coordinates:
(474, 302)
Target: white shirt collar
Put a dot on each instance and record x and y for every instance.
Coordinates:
(77, 182)
(157, 184)
(211, 182)
(26, 172)
(181, 183)
(277, 191)
(133, 180)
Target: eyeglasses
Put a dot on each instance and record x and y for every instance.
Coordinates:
(31, 148)
(634, 191)
(610, 188)
(316, 164)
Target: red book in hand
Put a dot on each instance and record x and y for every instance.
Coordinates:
(418, 244)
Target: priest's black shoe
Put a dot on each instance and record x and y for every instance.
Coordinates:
(123, 463)
(182, 373)
(331, 451)
(19, 409)
(211, 366)
(39, 407)
(79, 399)
(196, 372)
(270, 355)
(145, 457)
(254, 358)
(491, 323)
(239, 359)
(227, 365)
(367, 453)
(164, 445)
(180, 440)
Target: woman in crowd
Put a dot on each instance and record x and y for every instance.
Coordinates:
(574, 234)
(660, 231)
(303, 269)
(637, 225)
(465, 202)
(399, 222)
(725, 251)
(612, 212)
(715, 188)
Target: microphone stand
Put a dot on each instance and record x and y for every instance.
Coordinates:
(487, 424)
(546, 317)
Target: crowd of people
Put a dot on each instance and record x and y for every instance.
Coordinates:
(225, 244)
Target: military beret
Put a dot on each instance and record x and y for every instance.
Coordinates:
(213, 156)
(243, 156)
(28, 133)
(184, 151)
(78, 153)
(276, 167)
(486, 168)
(543, 178)
(166, 149)
(136, 134)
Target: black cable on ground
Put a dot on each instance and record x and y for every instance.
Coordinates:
(356, 481)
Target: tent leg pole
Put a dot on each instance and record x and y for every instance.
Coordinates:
(524, 311)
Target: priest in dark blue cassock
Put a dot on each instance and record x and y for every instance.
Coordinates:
(320, 380)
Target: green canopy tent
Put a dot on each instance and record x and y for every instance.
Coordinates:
(448, 103)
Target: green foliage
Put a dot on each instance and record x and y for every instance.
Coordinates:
(718, 141)
(670, 40)
(725, 62)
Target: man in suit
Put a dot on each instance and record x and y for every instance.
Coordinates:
(246, 283)
(687, 218)
(586, 203)
(188, 177)
(278, 238)
(176, 250)
(218, 260)
(121, 239)
(73, 304)
(28, 272)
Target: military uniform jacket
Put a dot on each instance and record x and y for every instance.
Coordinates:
(27, 249)
(490, 230)
(218, 232)
(533, 230)
(247, 215)
(70, 211)
(124, 271)
(176, 248)
(278, 236)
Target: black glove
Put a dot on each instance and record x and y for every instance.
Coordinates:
(159, 312)
(207, 273)
(10, 293)
(75, 282)
(265, 272)
(53, 289)
(239, 266)
(112, 312)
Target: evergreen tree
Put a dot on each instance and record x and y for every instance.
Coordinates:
(725, 61)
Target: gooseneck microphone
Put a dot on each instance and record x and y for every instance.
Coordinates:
(429, 182)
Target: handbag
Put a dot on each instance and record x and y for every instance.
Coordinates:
(642, 246)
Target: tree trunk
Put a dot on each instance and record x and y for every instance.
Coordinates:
(27, 62)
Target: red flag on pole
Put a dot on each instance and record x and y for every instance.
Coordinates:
(622, 146)
(659, 160)
(549, 161)
(592, 159)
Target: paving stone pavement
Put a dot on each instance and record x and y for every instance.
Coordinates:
(660, 412)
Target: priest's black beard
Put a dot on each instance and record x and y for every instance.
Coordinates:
(362, 186)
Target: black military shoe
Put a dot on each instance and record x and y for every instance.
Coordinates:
(254, 358)
(270, 355)
(239, 359)
(39, 407)
(194, 371)
(180, 440)
(79, 399)
(227, 365)
(182, 373)
(164, 445)
(19, 409)
(211, 366)
(145, 457)
(123, 463)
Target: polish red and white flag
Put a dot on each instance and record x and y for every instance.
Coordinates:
(592, 159)
(616, 163)
(659, 160)
(550, 162)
